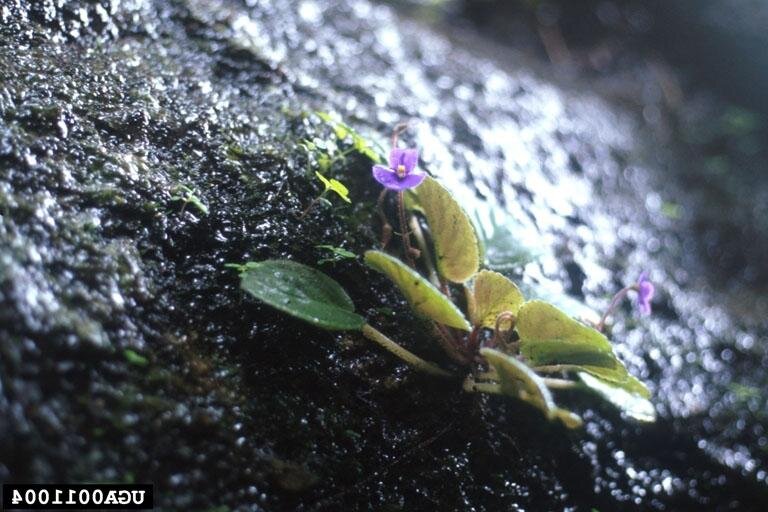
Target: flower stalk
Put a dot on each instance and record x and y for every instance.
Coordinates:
(645, 291)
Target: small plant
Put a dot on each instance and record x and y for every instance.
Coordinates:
(502, 342)
(188, 196)
(330, 185)
(335, 254)
(327, 154)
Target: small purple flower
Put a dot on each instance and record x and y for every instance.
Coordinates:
(402, 172)
(645, 290)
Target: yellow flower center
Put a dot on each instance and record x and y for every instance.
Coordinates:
(401, 171)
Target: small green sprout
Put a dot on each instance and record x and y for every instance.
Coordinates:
(135, 358)
(337, 254)
(330, 185)
(240, 267)
(189, 196)
(335, 185)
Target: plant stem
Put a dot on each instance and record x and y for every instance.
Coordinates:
(404, 232)
(448, 343)
(614, 302)
(498, 336)
(480, 387)
(555, 368)
(424, 248)
(407, 356)
(473, 342)
(312, 204)
(386, 227)
(559, 383)
(399, 128)
(489, 375)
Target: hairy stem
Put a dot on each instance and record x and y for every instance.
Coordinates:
(407, 356)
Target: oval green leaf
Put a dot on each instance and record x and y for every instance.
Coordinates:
(631, 404)
(456, 245)
(549, 336)
(302, 292)
(423, 297)
(493, 294)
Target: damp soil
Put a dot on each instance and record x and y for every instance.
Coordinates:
(128, 353)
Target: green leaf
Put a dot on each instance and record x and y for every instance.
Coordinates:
(617, 376)
(325, 181)
(359, 143)
(241, 267)
(519, 381)
(302, 292)
(631, 404)
(188, 196)
(493, 294)
(549, 336)
(365, 148)
(325, 116)
(424, 298)
(338, 251)
(502, 238)
(340, 189)
(456, 245)
(336, 254)
(549, 291)
(324, 162)
(340, 130)
(334, 185)
(135, 358)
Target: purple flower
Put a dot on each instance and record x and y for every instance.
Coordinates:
(402, 172)
(645, 290)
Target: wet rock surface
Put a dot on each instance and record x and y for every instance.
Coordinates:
(128, 352)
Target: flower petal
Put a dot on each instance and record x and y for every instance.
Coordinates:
(410, 159)
(386, 177)
(396, 157)
(411, 180)
(646, 290)
(643, 306)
